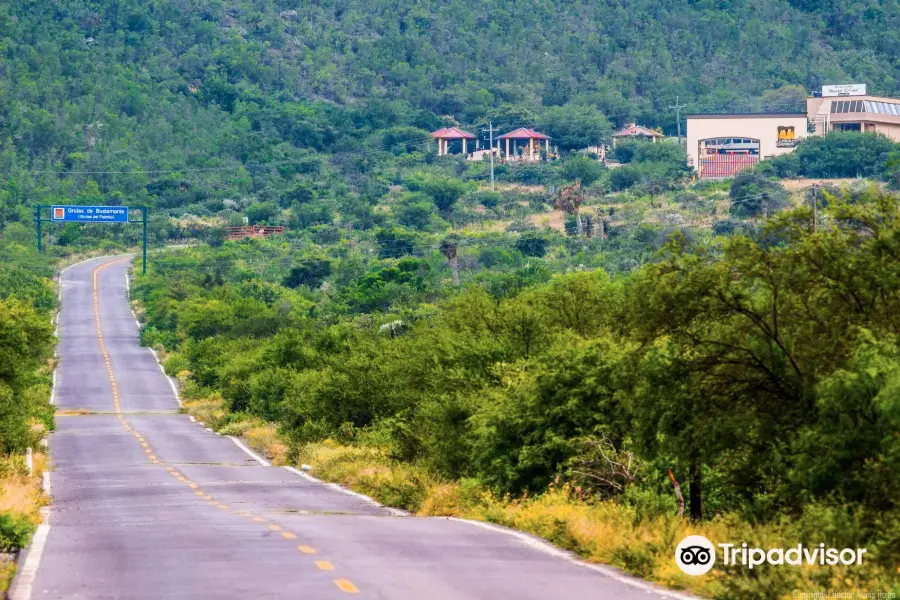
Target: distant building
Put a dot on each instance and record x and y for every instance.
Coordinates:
(720, 146)
(447, 135)
(524, 144)
(633, 131)
(850, 108)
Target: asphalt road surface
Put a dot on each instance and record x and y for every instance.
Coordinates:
(149, 504)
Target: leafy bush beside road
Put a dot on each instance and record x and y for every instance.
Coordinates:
(761, 370)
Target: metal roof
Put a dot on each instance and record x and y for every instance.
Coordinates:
(745, 115)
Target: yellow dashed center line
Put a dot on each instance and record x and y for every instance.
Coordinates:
(346, 586)
(323, 565)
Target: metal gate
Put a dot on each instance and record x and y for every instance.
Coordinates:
(720, 166)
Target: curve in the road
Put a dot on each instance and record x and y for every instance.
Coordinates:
(148, 504)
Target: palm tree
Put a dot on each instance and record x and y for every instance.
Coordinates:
(570, 199)
(449, 246)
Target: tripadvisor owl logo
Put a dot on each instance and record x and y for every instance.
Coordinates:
(695, 555)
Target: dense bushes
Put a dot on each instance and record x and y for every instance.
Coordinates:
(764, 375)
(25, 344)
(838, 154)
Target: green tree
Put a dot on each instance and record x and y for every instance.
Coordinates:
(25, 340)
(310, 272)
(444, 191)
(576, 126)
(532, 243)
(753, 195)
(584, 169)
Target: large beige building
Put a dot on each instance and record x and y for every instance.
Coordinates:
(719, 146)
(871, 114)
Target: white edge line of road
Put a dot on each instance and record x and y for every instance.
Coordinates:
(23, 582)
(549, 549)
(338, 488)
(21, 588)
(169, 379)
(152, 351)
(252, 454)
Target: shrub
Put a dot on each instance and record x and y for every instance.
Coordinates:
(753, 195)
(15, 531)
(532, 243)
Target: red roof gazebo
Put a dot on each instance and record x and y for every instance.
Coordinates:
(532, 138)
(446, 135)
(634, 131)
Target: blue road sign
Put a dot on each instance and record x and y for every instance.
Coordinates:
(89, 214)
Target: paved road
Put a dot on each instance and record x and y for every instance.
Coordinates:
(148, 504)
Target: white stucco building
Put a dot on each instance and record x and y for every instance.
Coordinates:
(719, 146)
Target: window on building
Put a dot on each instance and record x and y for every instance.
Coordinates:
(883, 108)
(847, 127)
(848, 106)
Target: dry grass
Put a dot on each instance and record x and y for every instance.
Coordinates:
(7, 570)
(264, 438)
(260, 435)
(602, 532)
(555, 220)
(21, 495)
(209, 411)
(369, 470)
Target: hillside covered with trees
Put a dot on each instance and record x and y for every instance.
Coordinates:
(238, 101)
(460, 349)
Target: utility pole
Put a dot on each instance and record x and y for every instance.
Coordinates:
(815, 207)
(490, 131)
(677, 108)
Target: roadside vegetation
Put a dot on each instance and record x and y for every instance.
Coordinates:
(27, 302)
(536, 354)
(760, 368)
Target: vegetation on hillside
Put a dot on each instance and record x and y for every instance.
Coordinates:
(239, 108)
(490, 351)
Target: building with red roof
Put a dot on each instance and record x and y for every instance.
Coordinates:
(526, 139)
(634, 131)
(445, 135)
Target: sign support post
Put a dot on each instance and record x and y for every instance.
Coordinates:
(144, 224)
(37, 222)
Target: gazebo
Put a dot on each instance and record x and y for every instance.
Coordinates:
(532, 140)
(632, 131)
(450, 134)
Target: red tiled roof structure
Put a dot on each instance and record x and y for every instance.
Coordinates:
(523, 133)
(451, 133)
(634, 130)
